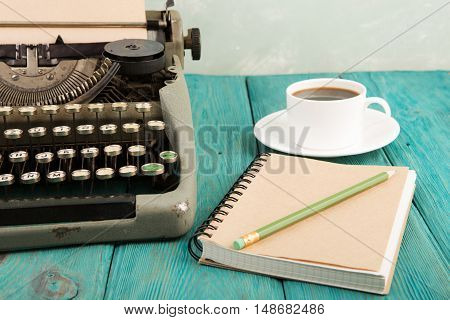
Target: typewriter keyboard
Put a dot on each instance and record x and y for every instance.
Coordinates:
(84, 152)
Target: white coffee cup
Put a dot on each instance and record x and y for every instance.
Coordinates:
(331, 124)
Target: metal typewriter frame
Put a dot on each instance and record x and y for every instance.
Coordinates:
(165, 215)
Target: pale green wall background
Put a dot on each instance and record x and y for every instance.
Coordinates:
(301, 36)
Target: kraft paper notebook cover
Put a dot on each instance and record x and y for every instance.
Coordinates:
(353, 244)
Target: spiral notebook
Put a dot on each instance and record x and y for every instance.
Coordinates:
(353, 244)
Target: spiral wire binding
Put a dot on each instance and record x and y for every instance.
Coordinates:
(232, 196)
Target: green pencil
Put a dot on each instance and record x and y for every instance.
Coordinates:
(271, 228)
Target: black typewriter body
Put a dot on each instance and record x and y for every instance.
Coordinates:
(97, 139)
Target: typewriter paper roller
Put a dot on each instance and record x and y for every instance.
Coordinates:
(96, 136)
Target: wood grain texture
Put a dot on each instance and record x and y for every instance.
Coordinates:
(225, 146)
(223, 120)
(420, 101)
(419, 251)
(70, 273)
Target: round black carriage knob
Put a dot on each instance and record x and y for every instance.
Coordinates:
(192, 41)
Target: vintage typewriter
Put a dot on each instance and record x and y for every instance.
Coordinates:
(96, 137)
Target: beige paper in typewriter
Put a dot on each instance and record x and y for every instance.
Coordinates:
(80, 21)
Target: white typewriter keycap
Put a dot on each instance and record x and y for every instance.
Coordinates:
(66, 153)
(89, 153)
(6, 180)
(131, 127)
(27, 111)
(6, 111)
(119, 106)
(104, 173)
(107, 129)
(50, 109)
(128, 171)
(156, 125)
(56, 176)
(81, 175)
(143, 107)
(96, 107)
(37, 132)
(152, 169)
(72, 108)
(113, 150)
(85, 129)
(61, 131)
(44, 157)
(168, 156)
(30, 177)
(13, 134)
(18, 156)
(136, 151)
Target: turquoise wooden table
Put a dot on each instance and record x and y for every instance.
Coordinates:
(420, 101)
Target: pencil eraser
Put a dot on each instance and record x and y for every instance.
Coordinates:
(239, 244)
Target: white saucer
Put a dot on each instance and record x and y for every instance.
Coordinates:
(379, 131)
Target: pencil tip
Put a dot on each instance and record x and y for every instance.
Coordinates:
(390, 173)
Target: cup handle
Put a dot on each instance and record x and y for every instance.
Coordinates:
(381, 102)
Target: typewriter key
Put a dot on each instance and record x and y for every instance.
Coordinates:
(18, 157)
(73, 108)
(156, 125)
(119, 106)
(50, 109)
(96, 107)
(27, 111)
(56, 176)
(152, 169)
(6, 111)
(44, 157)
(6, 179)
(108, 129)
(65, 157)
(13, 134)
(128, 171)
(156, 139)
(30, 177)
(143, 107)
(85, 130)
(169, 159)
(90, 153)
(113, 150)
(168, 156)
(104, 173)
(131, 127)
(81, 175)
(136, 150)
(61, 131)
(66, 154)
(37, 132)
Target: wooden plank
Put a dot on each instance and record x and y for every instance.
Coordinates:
(415, 278)
(71, 273)
(420, 101)
(164, 270)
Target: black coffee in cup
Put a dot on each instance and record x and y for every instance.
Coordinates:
(325, 94)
